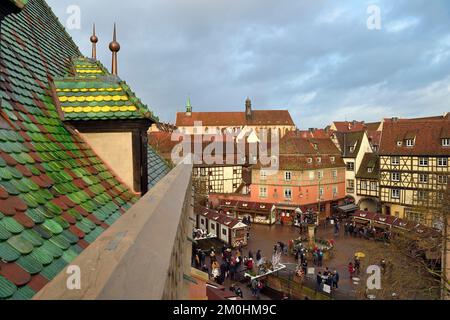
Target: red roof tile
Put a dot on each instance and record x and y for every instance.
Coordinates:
(427, 135)
(37, 282)
(14, 273)
(235, 119)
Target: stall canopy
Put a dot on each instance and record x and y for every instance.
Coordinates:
(348, 208)
(398, 223)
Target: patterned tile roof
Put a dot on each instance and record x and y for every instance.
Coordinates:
(369, 167)
(350, 142)
(232, 119)
(90, 92)
(56, 195)
(298, 145)
(427, 136)
(157, 167)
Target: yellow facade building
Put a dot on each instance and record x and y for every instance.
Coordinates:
(414, 167)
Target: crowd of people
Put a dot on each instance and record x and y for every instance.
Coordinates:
(227, 263)
(367, 232)
(231, 264)
(327, 277)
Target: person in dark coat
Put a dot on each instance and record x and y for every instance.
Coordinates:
(258, 255)
(319, 281)
(335, 279)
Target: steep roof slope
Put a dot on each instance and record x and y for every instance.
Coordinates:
(90, 92)
(157, 167)
(234, 119)
(369, 167)
(427, 136)
(56, 195)
(350, 142)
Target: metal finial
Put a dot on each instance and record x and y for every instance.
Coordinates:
(114, 46)
(94, 40)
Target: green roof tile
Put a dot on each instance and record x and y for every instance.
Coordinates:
(7, 289)
(39, 157)
(23, 293)
(30, 264)
(20, 244)
(8, 253)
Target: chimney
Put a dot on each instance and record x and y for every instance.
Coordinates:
(248, 108)
(114, 46)
(94, 41)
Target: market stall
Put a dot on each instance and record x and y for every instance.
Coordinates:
(225, 228)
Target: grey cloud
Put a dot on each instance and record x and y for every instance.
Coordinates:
(316, 58)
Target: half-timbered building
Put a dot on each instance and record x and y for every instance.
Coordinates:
(367, 183)
(414, 167)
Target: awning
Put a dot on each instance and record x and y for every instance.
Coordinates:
(348, 208)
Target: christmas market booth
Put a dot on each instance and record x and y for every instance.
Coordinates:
(257, 212)
(225, 228)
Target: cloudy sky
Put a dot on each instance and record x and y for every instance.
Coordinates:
(316, 58)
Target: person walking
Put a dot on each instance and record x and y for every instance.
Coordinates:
(259, 287)
(357, 265)
(319, 281)
(305, 266)
(320, 257)
(335, 279)
(254, 287)
(249, 264)
(258, 256)
(351, 270)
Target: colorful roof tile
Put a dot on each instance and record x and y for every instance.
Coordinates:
(56, 195)
(90, 92)
(157, 167)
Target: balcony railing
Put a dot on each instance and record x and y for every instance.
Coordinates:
(143, 255)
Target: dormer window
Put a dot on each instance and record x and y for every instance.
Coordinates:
(319, 160)
(445, 142)
(352, 149)
(287, 176)
(369, 170)
(399, 143)
(315, 146)
(309, 160)
(332, 159)
(263, 175)
(410, 142)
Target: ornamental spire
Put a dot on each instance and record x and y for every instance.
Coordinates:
(94, 41)
(114, 46)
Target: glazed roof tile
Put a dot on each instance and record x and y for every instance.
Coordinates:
(157, 167)
(56, 195)
(90, 92)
